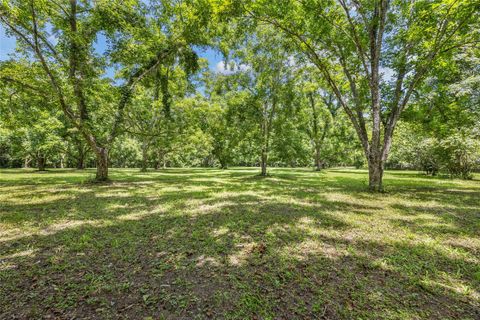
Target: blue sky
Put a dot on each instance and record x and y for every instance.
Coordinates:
(7, 46)
(214, 57)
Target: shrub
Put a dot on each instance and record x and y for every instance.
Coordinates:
(458, 155)
(426, 156)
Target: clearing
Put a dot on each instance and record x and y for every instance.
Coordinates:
(205, 243)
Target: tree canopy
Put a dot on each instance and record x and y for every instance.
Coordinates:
(381, 83)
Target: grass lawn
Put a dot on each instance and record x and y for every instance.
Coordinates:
(205, 243)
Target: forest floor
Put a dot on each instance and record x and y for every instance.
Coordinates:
(205, 243)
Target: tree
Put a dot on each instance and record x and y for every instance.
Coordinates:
(149, 117)
(189, 142)
(438, 131)
(33, 121)
(268, 78)
(145, 120)
(321, 111)
(355, 45)
(222, 133)
(74, 70)
(226, 113)
(76, 148)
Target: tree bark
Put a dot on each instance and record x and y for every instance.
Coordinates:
(375, 174)
(102, 165)
(144, 157)
(81, 161)
(223, 164)
(81, 155)
(318, 161)
(62, 161)
(266, 126)
(160, 163)
(27, 162)
(315, 137)
(41, 163)
(264, 163)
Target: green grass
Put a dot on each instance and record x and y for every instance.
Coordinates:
(204, 243)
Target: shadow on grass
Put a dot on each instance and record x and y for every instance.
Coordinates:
(196, 244)
(442, 220)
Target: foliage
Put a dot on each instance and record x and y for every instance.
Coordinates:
(300, 81)
(457, 154)
(353, 43)
(319, 84)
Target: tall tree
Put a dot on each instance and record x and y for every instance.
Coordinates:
(60, 36)
(30, 114)
(269, 79)
(373, 54)
(321, 110)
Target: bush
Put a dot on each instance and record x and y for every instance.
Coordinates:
(458, 155)
(426, 156)
(359, 160)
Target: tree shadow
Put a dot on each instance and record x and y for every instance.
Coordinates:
(198, 245)
(442, 220)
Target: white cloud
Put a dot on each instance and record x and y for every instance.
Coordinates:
(230, 67)
(388, 74)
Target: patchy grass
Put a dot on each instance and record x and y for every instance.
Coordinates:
(204, 243)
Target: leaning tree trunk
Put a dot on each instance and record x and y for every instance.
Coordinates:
(102, 164)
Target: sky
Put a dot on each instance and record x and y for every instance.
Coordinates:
(215, 59)
(7, 47)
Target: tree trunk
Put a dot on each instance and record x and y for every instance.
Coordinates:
(27, 162)
(144, 157)
(81, 162)
(102, 165)
(223, 164)
(264, 163)
(160, 163)
(62, 161)
(318, 161)
(375, 174)
(80, 158)
(41, 163)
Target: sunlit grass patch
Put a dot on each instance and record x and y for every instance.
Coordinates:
(186, 243)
